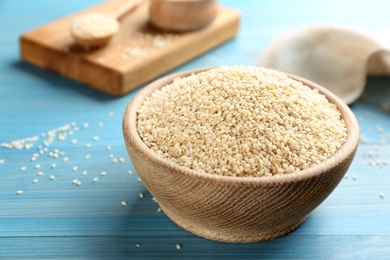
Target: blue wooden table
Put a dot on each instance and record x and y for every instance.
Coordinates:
(79, 197)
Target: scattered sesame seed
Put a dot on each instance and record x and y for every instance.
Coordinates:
(2, 161)
(52, 177)
(40, 173)
(35, 180)
(115, 160)
(159, 210)
(87, 156)
(111, 156)
(75, 168)
(23, 168)
(137, 245)
(84, 173)
(78, 183)
(62, 153)
(139, 179)
(65, 159)
(121, 159)
(108, 147)
(103, 173)
(88, 145)
(53, 165)
(100, 124)
(382, 195)
(37, 166)
(354, 177)
(178, 246)
(33, 159)
(70, 132)
(95, 138)
(141, 195)
(129, 172)
(346, 176)
(111, 114)
(95, 179)
(124, 203)
(73, 123)
(85, 125)
(73, 141)
(19, 192)
(75, 181)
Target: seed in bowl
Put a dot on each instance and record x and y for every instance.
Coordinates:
(241, 121)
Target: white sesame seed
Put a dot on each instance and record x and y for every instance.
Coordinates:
(78, 183)
(75, 168)
(70, 132)
(37, 166)
(84, 173)
(137, 245)
(53, 166)
(141, 195)
(87, 156)
(85, 125)
(346, 176)
(95, 179)
(40, 173)
(159, 210)
(35, 180)
(115, 160)
(139, 179)
(100, 124)
(73, 123)
(121, 159)
(65, 159)
(33, 159)
(354, 177)
(62, 153)
(108, 147)
(178, 246)
(382, 195)
(52, 177)
(23, 168)
(95, 138)
(129, 172)
(19, 192)
(88, 145)
(111, 114)
(111, 156)
(103, 173)
(2, 161)
(124, 203)
(73, 141)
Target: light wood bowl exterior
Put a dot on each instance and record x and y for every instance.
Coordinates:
(236, 209)
(182, 15)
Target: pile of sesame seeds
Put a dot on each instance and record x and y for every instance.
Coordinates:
(241, 121)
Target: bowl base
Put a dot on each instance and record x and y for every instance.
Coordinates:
(230, 237)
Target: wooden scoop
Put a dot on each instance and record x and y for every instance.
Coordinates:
(96, 29)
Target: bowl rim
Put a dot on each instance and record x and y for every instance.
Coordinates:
(134, 141)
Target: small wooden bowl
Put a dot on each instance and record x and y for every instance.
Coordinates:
(182, 15)
(236, 209)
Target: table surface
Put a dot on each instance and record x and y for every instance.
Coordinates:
(107, 218)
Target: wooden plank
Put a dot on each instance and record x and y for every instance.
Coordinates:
(136, 55)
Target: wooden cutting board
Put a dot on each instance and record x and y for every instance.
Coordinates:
(136, 55)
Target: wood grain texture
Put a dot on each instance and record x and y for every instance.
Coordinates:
(60, 220)
(127, 61)
(236, 209)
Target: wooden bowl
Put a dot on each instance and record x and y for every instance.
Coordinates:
(182, 15)
(236, 209)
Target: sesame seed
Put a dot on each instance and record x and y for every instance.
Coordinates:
(85, 125)
(159, 210)
(354, 177)
(95, 179)
(121, 159)
(129, 172)
(139, 179)
(37, 166)
(95, 138)
(346, 176)
(382, 195)
(65, 159)
(19, 192)
(115, 160)
(23, 168)
(100, 124)
(73, 123)
(2, 161)
(108, 147)
(111, 114)
(78, 183)
(137, 245)
(62, 153)
(73, 141)
(124, 203)
(103, 173)
(88, 145)
(178, 246)
(75, 168)
(40, 173)
(87, 156)
(53, 166)
(52, 177)
(75, 181)
(141, 195)
(33, 159)
(35, 180)
(111, 156)
(70, 132)
(84, 173)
